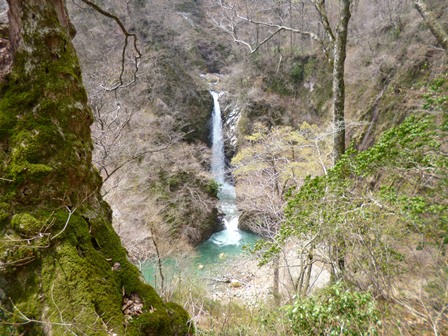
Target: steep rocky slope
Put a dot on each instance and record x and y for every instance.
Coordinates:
(391, 55)
(151, 138)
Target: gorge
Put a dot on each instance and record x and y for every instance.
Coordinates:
(223, 245)
(230, 240)
(111, 167)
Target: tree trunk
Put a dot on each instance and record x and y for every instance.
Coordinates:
(276, 283)
(62, 267)
(339, 55)
(309, 270)
(434, 26)
(337, 254)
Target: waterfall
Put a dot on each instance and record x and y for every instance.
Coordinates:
(218, 157)
(231, 235)
(226, 244)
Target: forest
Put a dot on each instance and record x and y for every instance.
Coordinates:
(223, 167)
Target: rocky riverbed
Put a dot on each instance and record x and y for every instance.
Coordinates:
(242, 280)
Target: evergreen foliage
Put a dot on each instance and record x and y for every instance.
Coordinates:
(334, 311)
(405, 172)
(370, 212)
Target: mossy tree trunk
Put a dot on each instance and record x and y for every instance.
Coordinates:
(433, 24)
(339, 55)
(62, 267)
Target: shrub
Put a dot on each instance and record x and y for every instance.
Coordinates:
(334, 310)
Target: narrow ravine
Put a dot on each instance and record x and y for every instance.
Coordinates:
(229, 241)
(221, 265)
(222, 247)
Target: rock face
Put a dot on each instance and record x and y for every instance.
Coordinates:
(231, 116)
(57, 245)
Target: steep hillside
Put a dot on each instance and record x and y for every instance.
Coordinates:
(152, 132)
(391, 55)
(377, 218)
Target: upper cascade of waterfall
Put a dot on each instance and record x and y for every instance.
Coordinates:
(217, 140)
(226, 194)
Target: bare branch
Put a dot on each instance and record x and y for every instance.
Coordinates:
(70, 213)
(278, 28)
(137, 54)
(320, 8)
(281, 27)
(132, 158)
(229, 25)
(319, 156)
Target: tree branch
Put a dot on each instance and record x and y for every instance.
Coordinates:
(319, 5)
(235, 18)
(433, 24)
(278, 28)
(137, 54)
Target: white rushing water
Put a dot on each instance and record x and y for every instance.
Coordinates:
(217, 139)
(231, 235)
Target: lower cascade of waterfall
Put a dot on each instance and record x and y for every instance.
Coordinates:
(228, 243)
(231, 235)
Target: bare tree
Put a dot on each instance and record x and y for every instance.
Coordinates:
(269, 165)
(233, 19)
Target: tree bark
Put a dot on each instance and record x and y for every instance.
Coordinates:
(276, 280)
(62, 267)
(309, 269)
(339, 55)
(434, 25)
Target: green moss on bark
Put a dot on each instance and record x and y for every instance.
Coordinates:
(26, 224)
(57, 245)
